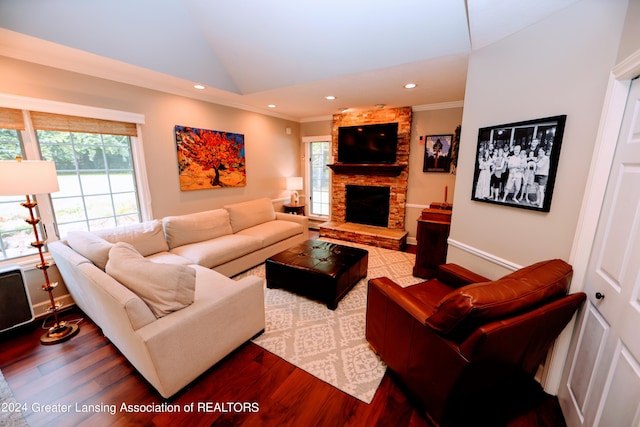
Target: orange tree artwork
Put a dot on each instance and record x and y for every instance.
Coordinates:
(209, 158)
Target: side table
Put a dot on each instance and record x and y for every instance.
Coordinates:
(294, 209)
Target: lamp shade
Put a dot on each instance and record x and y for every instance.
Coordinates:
(294, 183)
(25, 177)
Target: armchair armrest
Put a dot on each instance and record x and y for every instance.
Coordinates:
(457, 276)
(415, 307)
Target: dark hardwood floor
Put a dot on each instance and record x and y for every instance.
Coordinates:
(251, 387)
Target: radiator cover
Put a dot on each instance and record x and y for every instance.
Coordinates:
(15, 304)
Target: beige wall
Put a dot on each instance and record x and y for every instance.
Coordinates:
(316, 128)
(558, 66)
(271, 154)
(630, 42)
(428, 187)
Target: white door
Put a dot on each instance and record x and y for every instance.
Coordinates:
(603, 384)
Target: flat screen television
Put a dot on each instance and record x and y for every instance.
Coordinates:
(368, 144)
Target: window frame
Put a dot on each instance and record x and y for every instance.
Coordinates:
(32, 151)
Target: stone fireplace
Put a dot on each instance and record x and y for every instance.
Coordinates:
(390, 234)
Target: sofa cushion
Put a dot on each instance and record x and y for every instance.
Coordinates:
(90, 246)
(147, 237)
(165, 288)
(247, 214)
(212, 253)
(169, 258)
(273, 231)
(472, 305)
(197, 227)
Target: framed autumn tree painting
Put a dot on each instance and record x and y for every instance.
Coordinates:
(210, 159)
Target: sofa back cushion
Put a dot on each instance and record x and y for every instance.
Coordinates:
(147, 237)
(165, 288)
(90, 246)
(470, 306)
(197, 227)
(247, 214)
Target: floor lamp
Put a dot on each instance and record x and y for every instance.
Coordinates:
(28, 177)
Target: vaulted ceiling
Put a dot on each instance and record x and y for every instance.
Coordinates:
(289, 53)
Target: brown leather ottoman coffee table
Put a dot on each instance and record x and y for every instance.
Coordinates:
(318, 270)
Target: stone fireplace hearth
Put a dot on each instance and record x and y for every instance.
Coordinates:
(390, 233)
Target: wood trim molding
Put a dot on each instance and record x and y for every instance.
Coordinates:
(484, 255)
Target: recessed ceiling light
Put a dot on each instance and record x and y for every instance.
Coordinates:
(410, 85)
(330, 97)
(200, 87)
(344, 109)
(271, 105)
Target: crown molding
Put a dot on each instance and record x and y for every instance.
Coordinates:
(438, 106)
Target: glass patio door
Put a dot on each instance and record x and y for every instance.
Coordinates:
(319, 178)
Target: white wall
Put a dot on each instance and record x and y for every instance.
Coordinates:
(557, 66)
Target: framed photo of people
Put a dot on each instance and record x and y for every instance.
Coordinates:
(516, 163)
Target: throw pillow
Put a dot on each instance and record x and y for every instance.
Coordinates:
(165, 288)
(147, 237)
(90, 246)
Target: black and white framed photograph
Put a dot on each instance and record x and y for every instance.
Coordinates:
(437, 153)
(516, 163)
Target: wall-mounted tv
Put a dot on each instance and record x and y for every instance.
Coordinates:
(368, 144)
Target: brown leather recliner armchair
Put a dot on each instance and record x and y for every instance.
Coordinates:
(460, 338)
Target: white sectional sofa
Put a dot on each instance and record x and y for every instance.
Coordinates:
(160, 290)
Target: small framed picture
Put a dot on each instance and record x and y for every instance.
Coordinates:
(516, 163)
(437, 153)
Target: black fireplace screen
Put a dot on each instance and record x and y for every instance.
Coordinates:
(368, 205)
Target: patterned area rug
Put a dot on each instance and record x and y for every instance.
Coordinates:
(10, 410)
(328, 344)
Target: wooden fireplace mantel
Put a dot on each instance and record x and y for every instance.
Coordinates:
(367, 169)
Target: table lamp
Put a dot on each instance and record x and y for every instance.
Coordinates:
(28, 177)
(294, 183)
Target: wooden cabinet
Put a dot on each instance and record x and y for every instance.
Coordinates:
(432, 235)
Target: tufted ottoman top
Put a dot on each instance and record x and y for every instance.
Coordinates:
(317, 269)
(322, 257)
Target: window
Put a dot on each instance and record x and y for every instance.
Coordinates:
(96, 179)
(15, 234)
(99, 164)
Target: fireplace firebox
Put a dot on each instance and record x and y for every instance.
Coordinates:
(368, 205)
